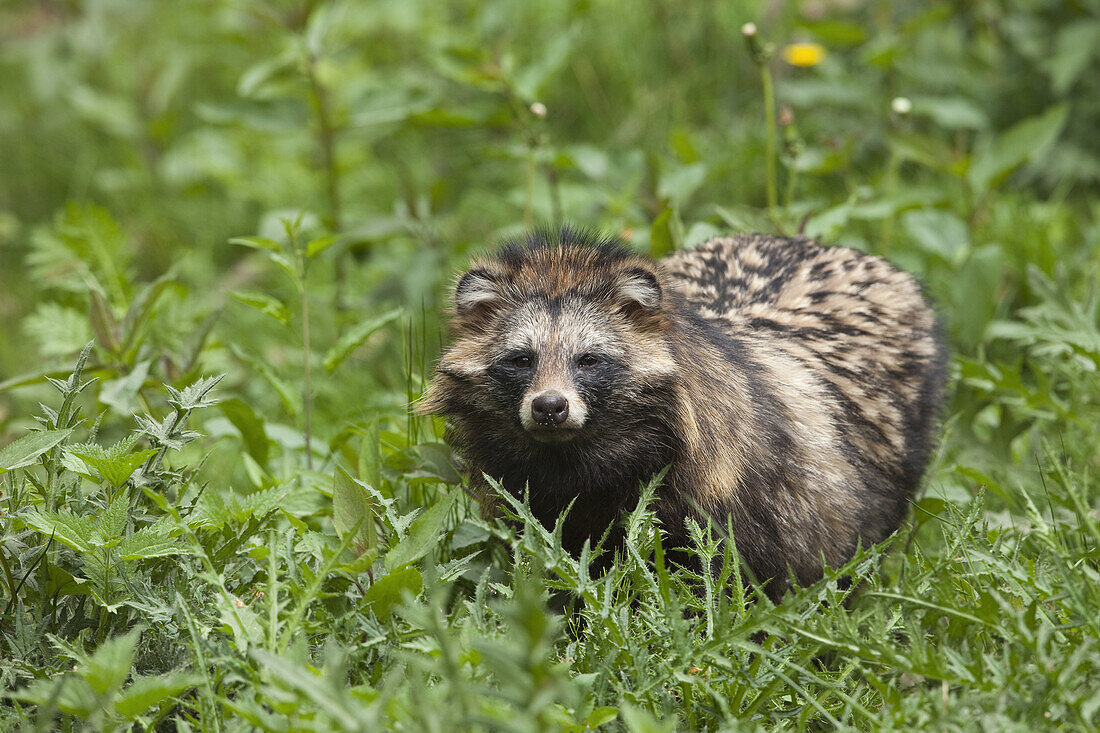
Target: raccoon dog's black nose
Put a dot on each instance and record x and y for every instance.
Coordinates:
(550, 409)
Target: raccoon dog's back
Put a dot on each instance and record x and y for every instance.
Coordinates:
(792, 390)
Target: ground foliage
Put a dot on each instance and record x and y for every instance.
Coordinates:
(225, 235)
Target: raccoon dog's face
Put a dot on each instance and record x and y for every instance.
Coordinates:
(552, 344)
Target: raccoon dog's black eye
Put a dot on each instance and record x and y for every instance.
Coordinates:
(522, 362)
(588, 360)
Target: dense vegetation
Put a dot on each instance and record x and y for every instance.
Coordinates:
(219, 514)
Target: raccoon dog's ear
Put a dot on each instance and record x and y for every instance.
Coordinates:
(475, 289)
(638, 287)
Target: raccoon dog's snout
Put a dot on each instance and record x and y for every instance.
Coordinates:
(550, 408)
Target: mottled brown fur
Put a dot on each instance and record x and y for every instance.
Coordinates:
(791, 388)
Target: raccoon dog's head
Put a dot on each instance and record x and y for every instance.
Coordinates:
(557, 338)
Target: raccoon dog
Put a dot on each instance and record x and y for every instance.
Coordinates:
(793, 390)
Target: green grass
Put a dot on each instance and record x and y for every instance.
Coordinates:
(237, 222)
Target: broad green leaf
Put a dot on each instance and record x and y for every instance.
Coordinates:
(1023, 142)
(355, 337)
(292, 401)
(74, 532)
(111, 525)
(938, 232)
(115, 464)
(353, 509)
(154, 541)
(110, 665)
(250, 426)
(600, 716)
(385, 593)
(679, 184)
(667, 233)
(423, 534)
(1074, 49)
(25, 450)
(264, 303)
(145, 692)
(68, 692)
(317, 246)
(431, 461)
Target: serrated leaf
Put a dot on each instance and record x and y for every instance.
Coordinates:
(145, 692)
(58, 330)
(353, 509)
(111, 525)
(154, 541)
(110, 665)
(264, 303)
(25, 450)
(74, 532)
(69, 693)
(355, 337)
(114, 465)
(423, 534)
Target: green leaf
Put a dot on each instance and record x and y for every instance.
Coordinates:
(291, 399)
(145, 692)
(250, 426)
(353, 509)
(423, 534)
(261, 243)
(59, 330)
(25, 450)
(1074, 49)
(355, 337)
(115, 464)
(938, 232)
(667, 233)
(431, 461)
(385, 593)
(141, 311)
(264, 303)
(69, 693)
(154, 541)
(1025, 141)
(317, 246)
(77, 533)
(111, 525)
(600, 716)
(103, 321)
(110, 665)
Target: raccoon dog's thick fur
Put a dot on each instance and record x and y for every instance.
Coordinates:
(793, 390)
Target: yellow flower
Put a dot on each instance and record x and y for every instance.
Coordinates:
(803, 54)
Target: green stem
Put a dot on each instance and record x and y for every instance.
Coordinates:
(529, 203)
(307, 391)
(890, 184)
(326, 139)
(8, 576)
(770, 140)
